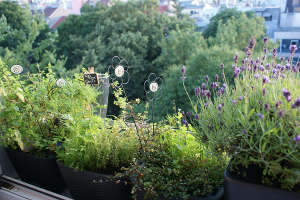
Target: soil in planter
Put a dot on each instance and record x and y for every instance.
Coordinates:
(86, 185)
(39, 171)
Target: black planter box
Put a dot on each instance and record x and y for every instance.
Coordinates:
(236, 189)
(217, 196)
(42, 172)
(85, 185)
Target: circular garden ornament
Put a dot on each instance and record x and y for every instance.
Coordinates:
(16, 69)
(153, 87)
(61, 82)
(118, 71)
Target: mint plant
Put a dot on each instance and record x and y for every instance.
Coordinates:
(39, 111)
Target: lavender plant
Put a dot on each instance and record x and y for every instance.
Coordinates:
(257, 121)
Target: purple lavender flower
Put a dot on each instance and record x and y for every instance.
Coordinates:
(220, 107)
(244, 132)
(287, 95)
(206, 78)
(184, 122)
(224, 85)
(221, 91)
(297, 138)
(297, 103)
(183, 114)
(282, 59)
(282, 76)
(274, 71)
(280, 113)
(237, 72)
(196, 117)
(223, 103)
(265, 40)
(262, 68)
(202, 93)
(217, 77)
(235, 58)
(251, 43)
(214, 85)
(274, 52)
(240, 98)
(277, 104)
(222, 66)
(256, 76)
(207, 93)
(205, 105)
(183, 70)
(268, 66)
(293, 48)
(257, 61)
(261, 116)
(203, 86)
(188, 114)
(197, 91)
(223, 75)
(243, 68)
(233, 102)
(264, 91)
(254, 67)
(265, 79)
(266, 106)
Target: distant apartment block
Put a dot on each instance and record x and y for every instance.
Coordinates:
(288, 32)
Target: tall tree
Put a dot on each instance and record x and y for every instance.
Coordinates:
(26, 39)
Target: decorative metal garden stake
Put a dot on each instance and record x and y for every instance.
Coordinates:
(118, 71)
(153, 87)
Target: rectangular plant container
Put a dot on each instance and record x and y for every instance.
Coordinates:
(236, 189)
(42, 172)
(85, 185)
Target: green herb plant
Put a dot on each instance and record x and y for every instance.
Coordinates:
(37, 113)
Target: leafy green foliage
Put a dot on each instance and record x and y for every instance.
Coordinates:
(172, 164)
(26, 39)
(133, 30)
(179, 47)
(236, 31)
(257, 121)
(222, 17)
(38, 113)
(203, 62)
(99, 145)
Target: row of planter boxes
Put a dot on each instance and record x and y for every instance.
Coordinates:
(46, 173)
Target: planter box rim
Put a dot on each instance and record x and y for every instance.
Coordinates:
(234, 179)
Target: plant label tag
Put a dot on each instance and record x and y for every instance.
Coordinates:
(91, 79)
